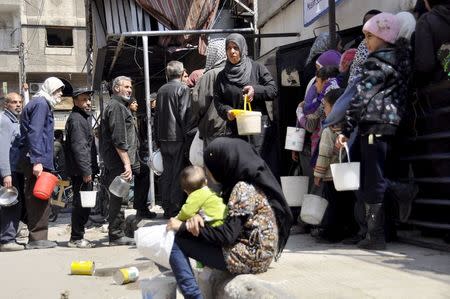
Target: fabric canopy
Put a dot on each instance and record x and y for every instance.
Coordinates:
(182, 15)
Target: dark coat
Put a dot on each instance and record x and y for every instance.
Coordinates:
(36, 130)
(229, 96)
(209, 123)
(172, 115)
(380, 101)
(118, 131)
(80, 151)
(432, 31)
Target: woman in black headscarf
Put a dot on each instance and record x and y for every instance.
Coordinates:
(240, 76)
(256, 228)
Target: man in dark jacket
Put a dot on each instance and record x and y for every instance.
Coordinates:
(81, 161)
(172, 125)
(118, 146)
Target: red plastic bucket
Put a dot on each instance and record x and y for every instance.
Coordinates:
(44, 186)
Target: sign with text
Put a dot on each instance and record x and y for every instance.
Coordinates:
(314, 9)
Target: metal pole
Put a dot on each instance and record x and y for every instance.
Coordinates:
(332, 22)
(255, 23)
(182, 32)
(151, 191)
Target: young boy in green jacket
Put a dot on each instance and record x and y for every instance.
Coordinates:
(200, 199)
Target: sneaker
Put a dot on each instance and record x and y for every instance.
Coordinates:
(11, 246)
(122, 241)
(146, 214)
(41, 244)
(83, 243)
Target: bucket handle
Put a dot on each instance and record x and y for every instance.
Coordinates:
(346, 150)
(247, 102)
(87, 184)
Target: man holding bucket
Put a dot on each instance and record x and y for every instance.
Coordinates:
(36, 156)
(9, 134)
(81, 159)
(118, 146)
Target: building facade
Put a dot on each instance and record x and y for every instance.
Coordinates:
(39, 39)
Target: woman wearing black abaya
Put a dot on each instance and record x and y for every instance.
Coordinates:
(240, 76)
(256, 228)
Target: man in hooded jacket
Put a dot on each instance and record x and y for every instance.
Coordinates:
(36, 152)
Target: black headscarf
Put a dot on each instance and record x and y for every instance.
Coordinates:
(240, 72)
(231, 160)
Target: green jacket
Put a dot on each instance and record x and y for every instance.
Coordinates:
(206, 200)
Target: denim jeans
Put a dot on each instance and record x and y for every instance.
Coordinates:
(182, 270)
(208, 254)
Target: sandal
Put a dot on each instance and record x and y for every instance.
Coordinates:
(83, 243)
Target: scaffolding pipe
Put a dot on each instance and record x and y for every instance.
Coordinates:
(332, 22)
(151, 191)
(181, 32)
(255, 25)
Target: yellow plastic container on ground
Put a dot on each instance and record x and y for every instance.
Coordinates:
(82, 268)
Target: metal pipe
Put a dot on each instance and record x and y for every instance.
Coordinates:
(332, 22)
(245, 7)
(151, 191)
(116, 54)
(181, 32)
(255, 25)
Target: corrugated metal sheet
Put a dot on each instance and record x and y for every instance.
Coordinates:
(117, 16)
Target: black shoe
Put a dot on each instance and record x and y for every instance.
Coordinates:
(145, 214)
(122, 241)
(353, 240)
(404, 194)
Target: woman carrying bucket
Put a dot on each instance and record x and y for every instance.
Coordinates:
(243, 76)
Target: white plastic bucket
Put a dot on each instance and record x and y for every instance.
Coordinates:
(249, 123)
(196, 151)
(345, 175)
(88, 198)
(313, 209)
(295, 137)
(294, 188)
(159, 287)
(156, 163)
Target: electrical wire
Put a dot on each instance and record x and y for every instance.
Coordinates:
(30, 41)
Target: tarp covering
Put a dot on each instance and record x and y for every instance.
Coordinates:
(182, 15)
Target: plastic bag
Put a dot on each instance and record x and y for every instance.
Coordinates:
(196, 151)
(155, 243)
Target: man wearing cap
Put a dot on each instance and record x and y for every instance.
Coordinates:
(9, 135)
(36, 156)
(81, 161)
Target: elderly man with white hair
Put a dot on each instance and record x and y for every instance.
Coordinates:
(36, 145)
